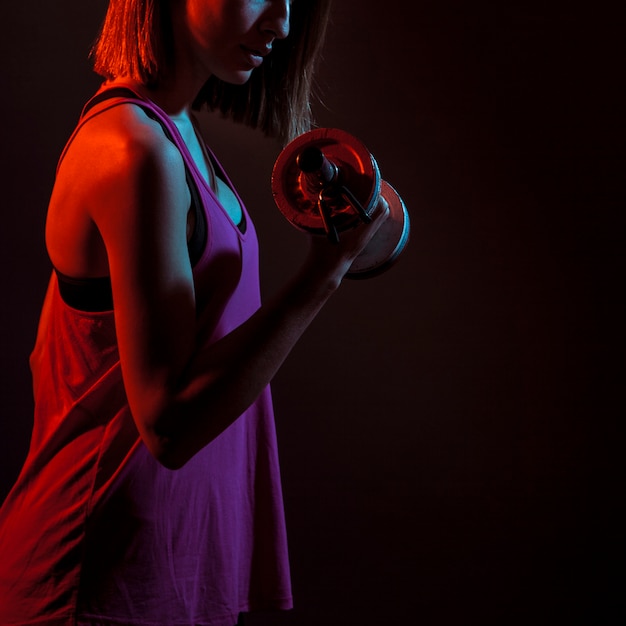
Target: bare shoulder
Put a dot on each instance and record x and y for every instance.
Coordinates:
(120, 144)
(119, 171)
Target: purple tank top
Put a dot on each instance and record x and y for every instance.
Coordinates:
(95, 531)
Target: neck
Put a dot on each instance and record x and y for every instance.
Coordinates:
(178, 89)
(175, 97)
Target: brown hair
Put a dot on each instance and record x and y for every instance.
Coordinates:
(136, 41)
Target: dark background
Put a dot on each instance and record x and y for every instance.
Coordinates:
(451, 431)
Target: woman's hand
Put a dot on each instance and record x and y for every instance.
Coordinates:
(335, 259)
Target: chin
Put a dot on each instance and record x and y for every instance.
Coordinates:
(238, 74)
(238, 78)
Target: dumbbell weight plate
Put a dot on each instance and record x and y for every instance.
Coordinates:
(296, 194)
(388, 242)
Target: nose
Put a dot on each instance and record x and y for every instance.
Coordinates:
(276, 19)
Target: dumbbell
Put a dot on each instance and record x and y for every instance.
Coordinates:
(326, 181)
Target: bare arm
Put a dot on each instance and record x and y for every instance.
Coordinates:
(182, 397)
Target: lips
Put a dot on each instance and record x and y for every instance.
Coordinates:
(261, 51)
(254, 56)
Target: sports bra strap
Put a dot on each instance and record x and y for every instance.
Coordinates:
(107, 94)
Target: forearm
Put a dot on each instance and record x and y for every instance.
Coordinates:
(225, 378)
(182, 403)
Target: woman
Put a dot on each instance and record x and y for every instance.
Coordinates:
(151, 492)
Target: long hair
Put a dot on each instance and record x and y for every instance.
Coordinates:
(136, 40)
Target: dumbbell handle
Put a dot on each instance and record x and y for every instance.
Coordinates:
(313, 162)
(323, 172)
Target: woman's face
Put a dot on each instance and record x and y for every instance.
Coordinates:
(229, 38)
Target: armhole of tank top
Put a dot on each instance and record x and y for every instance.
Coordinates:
(95, 294)
(197, 241)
